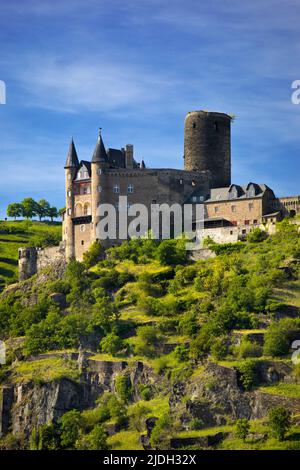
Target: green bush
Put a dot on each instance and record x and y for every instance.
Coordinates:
(257, 235)
(242, 428)
(279, 419)
(248, 349)
(248, 374)
(124, 387)
(112, 344)
(279, 336)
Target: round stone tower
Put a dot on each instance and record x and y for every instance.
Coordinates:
(207, 145)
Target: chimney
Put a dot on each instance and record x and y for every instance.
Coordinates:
(129, 156)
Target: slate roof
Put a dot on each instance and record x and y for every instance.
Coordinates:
(99, 154)
(222, 194)
(72, 158)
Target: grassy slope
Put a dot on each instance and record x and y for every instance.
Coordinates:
(11, 242)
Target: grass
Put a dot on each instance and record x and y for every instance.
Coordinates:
(206, 431)
(283, 389)
(13, 235)
(139, 316)
(125, 440)
(289, 294)
(45, 370)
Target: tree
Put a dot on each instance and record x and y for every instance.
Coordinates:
(242, 428)
(279, 422)
(124, 387)
(42, 208)
(93, 255)
(112, 343)
(279, 336)
(29, 207)
(52, 213)
(14, 210)
(95, 440)
(70, 424)
(172, 252)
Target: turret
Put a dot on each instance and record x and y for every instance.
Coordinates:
(99, 164)
(71, 168)
(207, 145)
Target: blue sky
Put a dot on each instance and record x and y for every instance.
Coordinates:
(135, 68)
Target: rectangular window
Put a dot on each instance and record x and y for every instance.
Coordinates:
(194, 199)
(99, 189)
(255, 221)
(216, 210)
(130, 188)
(86, 174)
(247, 222)
(99, 171)
(233, 208)
(116, 189)
(251, 205)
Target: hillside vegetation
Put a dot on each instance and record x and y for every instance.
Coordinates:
(22, 233)
(185, 321)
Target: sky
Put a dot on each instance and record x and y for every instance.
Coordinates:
(135, 68)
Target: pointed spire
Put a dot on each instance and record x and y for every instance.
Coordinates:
(99, 154)
(72, 158)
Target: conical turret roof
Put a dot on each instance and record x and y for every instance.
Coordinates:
(99, 154)
(72, 158)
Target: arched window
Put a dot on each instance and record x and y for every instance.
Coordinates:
(87, 209)
(78, 209)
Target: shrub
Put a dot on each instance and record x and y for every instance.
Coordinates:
(171, 252)
(70, 425)
(257, 235)
(160, 436)
(249, 349)
(95, 440)
(149, 338)
(242, 428)
(196, 424)
(219, 348)
(112, 344)
(93, 255)
(279, 422)
(123, 387)
(145, 392)
(279, 336)
(248, 374)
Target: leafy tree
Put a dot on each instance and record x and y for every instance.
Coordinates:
(160, 436)
(95, 440)
(248, 373)
(279, 422)
(93, 255)
(29, 207)
(14, 210)
(70, 424)
(242, 428)
(279, 336)
(171, 252)
(46, 437)
(112, 343)
(149, 338)
(52, 213)
(42, 208)
(219, 348)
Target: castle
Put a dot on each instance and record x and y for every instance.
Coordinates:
(206, 178)
(230, 210)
